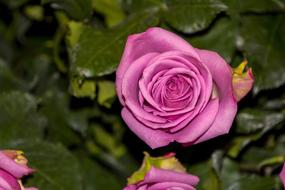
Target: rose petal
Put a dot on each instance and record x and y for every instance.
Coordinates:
(159, 89)
(144, 187)
(12, 167)
(199, 125)
(222, 77)
(171, 185)
(178, 59)
(150, 77)
(204, 79)
(154, 138)
(7, 181)
(153, 40)
(242, 84)
(130, 187)
(130, 89)
(156, 175)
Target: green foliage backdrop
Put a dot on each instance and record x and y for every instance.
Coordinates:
(58, 103)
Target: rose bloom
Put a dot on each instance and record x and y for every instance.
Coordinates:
(164, 172)
(165, 179)
(174, 92)
(13, 166)
(282, 175)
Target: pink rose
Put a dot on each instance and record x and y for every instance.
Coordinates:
(165, 172)
(282, 175)
(165, 179)
(174, 92)
(13, 166)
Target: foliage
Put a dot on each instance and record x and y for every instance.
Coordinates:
(58, 104)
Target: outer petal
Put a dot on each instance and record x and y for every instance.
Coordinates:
(156, 175)
(8, 182)
(12, 167)
(130, 88)
(222, 77)
(130, 187)
(282, 175)
(31, 188)
(199, 125)
(154, 138)
(144, 187)
(153, 40)
(171, 185)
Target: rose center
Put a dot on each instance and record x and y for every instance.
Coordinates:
(176, 86)
(173, 91)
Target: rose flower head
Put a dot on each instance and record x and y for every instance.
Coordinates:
(164, 172)
(13, 166)
(171, 91)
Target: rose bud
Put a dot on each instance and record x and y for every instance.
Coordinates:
(161, 173)
(13, 166)
(8, 182)
(242, 81)
(171, 91)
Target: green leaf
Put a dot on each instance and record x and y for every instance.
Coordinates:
(63, 123)
(190, 16)
(254, 120)
(18, 27)
(253, 124)
(275, 104)
(56, 168)
(19, 119)
(234, 179)
(6, 51)
(252, 183)
(74, 32)
(262, 38)
(107, 93)
(263, 156)
(107, 140)
(240, 142)
(111, 9)
(256, 6)
(208, 177)
(8, 81)
(96, 177)
(14, 3)
(98, 52)
(83, 88)
(35, 12)
(77, 9)
(229, 173)
(133, 6)
(220, 38)
(35, 70)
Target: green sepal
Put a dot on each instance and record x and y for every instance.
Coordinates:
(168, 162)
